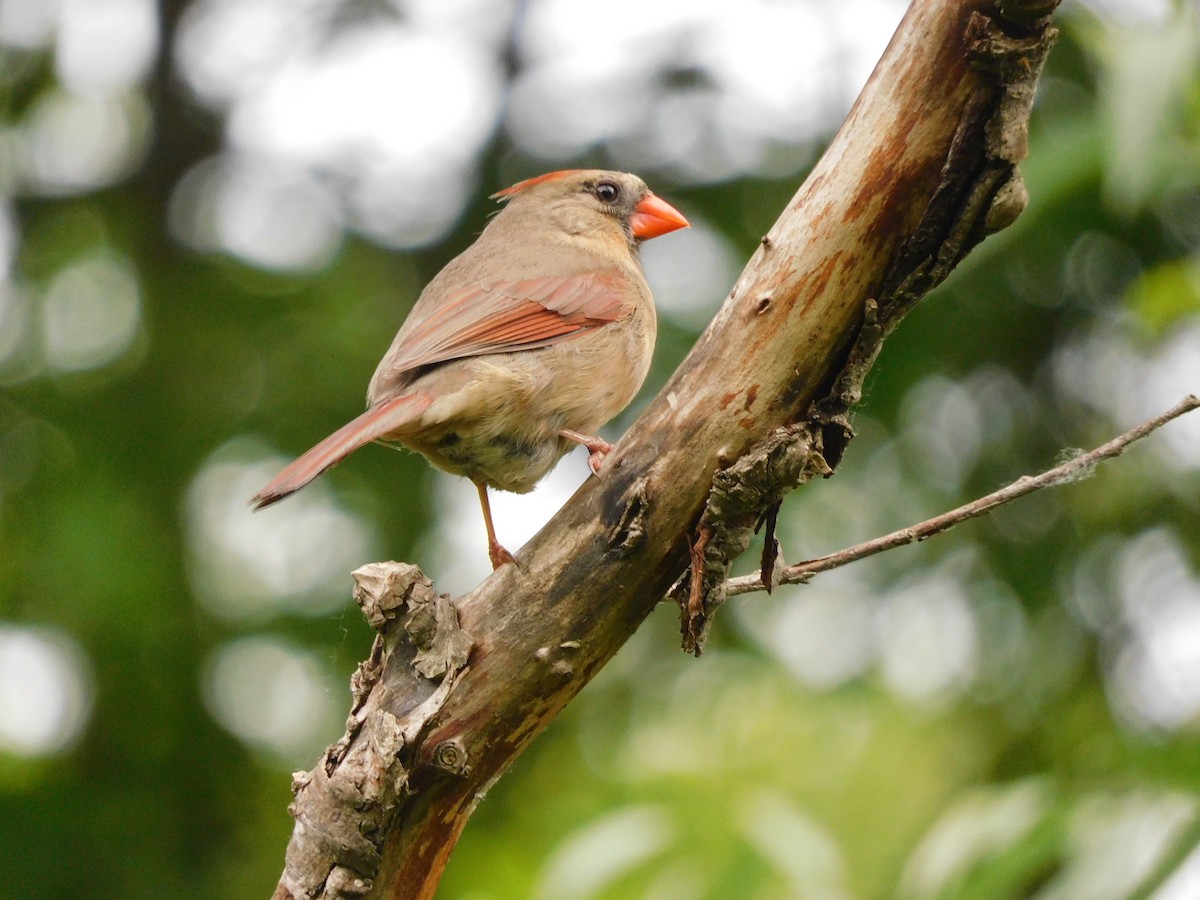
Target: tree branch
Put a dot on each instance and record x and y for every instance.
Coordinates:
(979, 192)
(1075, 469)
(923, 168)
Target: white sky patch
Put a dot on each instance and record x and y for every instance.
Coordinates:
(691, 273)
(457, 546)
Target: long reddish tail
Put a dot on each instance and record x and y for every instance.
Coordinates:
(375, 422)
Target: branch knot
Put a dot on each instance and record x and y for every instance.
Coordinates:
(743, 496)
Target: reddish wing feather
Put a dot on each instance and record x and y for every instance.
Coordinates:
(513, 315)
(374, 423)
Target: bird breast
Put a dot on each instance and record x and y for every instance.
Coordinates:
(497, 418)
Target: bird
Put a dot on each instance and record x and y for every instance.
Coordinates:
(521, 347)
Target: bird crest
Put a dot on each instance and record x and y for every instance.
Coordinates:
(520, 186)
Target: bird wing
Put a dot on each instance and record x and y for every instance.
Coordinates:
(505, 316)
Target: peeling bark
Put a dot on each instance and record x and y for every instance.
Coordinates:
(344, 808)
(923, 169)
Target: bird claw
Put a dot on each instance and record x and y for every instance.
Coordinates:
(596, 459)
(598, 448)
(499, 556)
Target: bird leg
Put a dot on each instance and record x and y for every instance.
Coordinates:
(598, 448)
(496, 552)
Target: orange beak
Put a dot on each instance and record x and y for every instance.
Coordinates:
(652, 217)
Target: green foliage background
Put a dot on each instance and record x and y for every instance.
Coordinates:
(1029, 771)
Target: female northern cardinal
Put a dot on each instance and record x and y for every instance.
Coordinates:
(525, 344)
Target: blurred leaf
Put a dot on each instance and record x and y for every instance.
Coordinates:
(991, 842)
(1148, 82)
(1181, 850)
(1166, 293)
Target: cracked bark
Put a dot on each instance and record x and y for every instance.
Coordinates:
(923, 168)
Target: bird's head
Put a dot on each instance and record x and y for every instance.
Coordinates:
(577, 195)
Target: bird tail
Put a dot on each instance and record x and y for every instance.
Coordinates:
(374, 423)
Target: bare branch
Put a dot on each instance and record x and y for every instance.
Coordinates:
(1073, 470)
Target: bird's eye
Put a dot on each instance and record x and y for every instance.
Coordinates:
(607, 192)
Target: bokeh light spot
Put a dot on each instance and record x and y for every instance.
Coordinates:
(1108, 370)
(672, 88)
(16, 323)
(91, 313)
(797, 844)
(942, 431)
(1117, 839)
(982, 823)
(605, 849)
(927, 637)
(293, 557)
(822, 633)
(29, 23)
(272, 216)
(395, 115)
(105, 45)
(45, 690)
(1156, 674)
(271, 695)
(74, 144)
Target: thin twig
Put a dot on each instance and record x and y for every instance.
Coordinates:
(1026, 484)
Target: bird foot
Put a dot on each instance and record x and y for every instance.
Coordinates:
(499, 556)
(597, 454)
(598, 448)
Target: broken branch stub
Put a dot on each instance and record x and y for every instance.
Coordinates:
(742, 495)
(344, 807)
